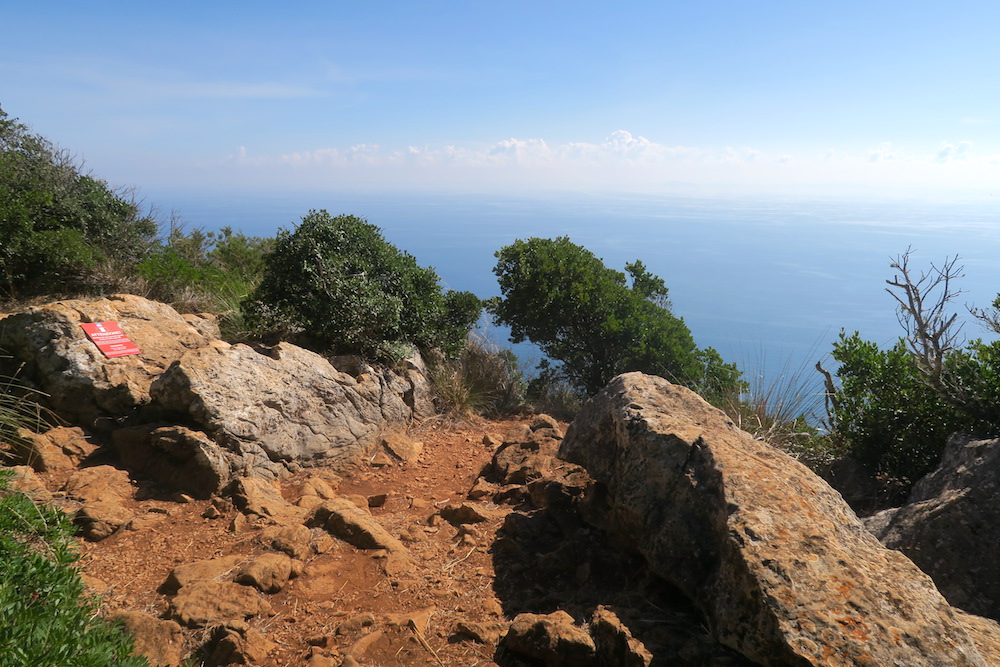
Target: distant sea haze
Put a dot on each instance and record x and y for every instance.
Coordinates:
(768, 283)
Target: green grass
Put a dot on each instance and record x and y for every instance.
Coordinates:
(19, 409)
(46, 619)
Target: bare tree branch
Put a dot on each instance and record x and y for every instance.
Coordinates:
(931, 331)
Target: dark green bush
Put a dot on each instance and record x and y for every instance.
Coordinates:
(61, 230)
(886, 414)
(335, 284)
(561, 297)
(46, 619)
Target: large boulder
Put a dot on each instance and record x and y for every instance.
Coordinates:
(291, 403)
(778, 563)
(270, 410)
(950, 526)
(54, 354)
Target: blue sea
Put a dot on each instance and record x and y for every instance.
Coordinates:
(768, 282)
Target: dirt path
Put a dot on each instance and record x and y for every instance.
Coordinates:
(344, 595)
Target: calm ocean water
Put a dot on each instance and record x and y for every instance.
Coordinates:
(769, 283)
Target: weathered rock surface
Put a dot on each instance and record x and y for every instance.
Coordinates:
(402, 447)
(295, 540)
(86, 388)
(236, 643)
(552, 639)
(60, 448)
(614, 641)
(27, 482)
(781, 567)
(263, 412)
(344, 519)
(103, 492)
(177, 458)
(202, 570)
(161, 642)
(950, 525)
(269, 573)
(298, 408)
(528, 453)
(210, 602)
(262, 498)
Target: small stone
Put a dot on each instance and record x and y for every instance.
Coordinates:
(380, 460)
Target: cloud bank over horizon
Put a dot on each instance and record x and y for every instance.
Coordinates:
(624, 161)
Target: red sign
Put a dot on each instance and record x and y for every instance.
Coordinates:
(110, 339)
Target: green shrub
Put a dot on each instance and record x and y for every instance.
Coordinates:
(46, 619)
(335, 284)
(61, 230)
(884, 412)
(896, 408)
(561, 297)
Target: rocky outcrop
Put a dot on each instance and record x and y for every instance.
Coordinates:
(782, 569)
(950, 525)
(347, 521)
(292, 404)
(60, 448)
(269, 572)
(103, 492)
(210, 602)
(551, 639)
(200, 412)
(84, 387)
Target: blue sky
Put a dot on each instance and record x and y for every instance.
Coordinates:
(868, 98)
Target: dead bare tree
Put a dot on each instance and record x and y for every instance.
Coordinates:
(932, 332)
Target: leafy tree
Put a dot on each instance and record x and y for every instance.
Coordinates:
(561, 297)
(60, 228)
(337, 284)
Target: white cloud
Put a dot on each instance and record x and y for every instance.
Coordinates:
(626, 161)
(882, 153)
(950, 152)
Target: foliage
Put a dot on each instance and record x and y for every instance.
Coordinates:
(482, 379)
(20, 410)
(61, 229)
(198, 271)
(884, 413)
(46, 620)
(336, 283)
(561, 297)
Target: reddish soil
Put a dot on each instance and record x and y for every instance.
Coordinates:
(344, 593)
